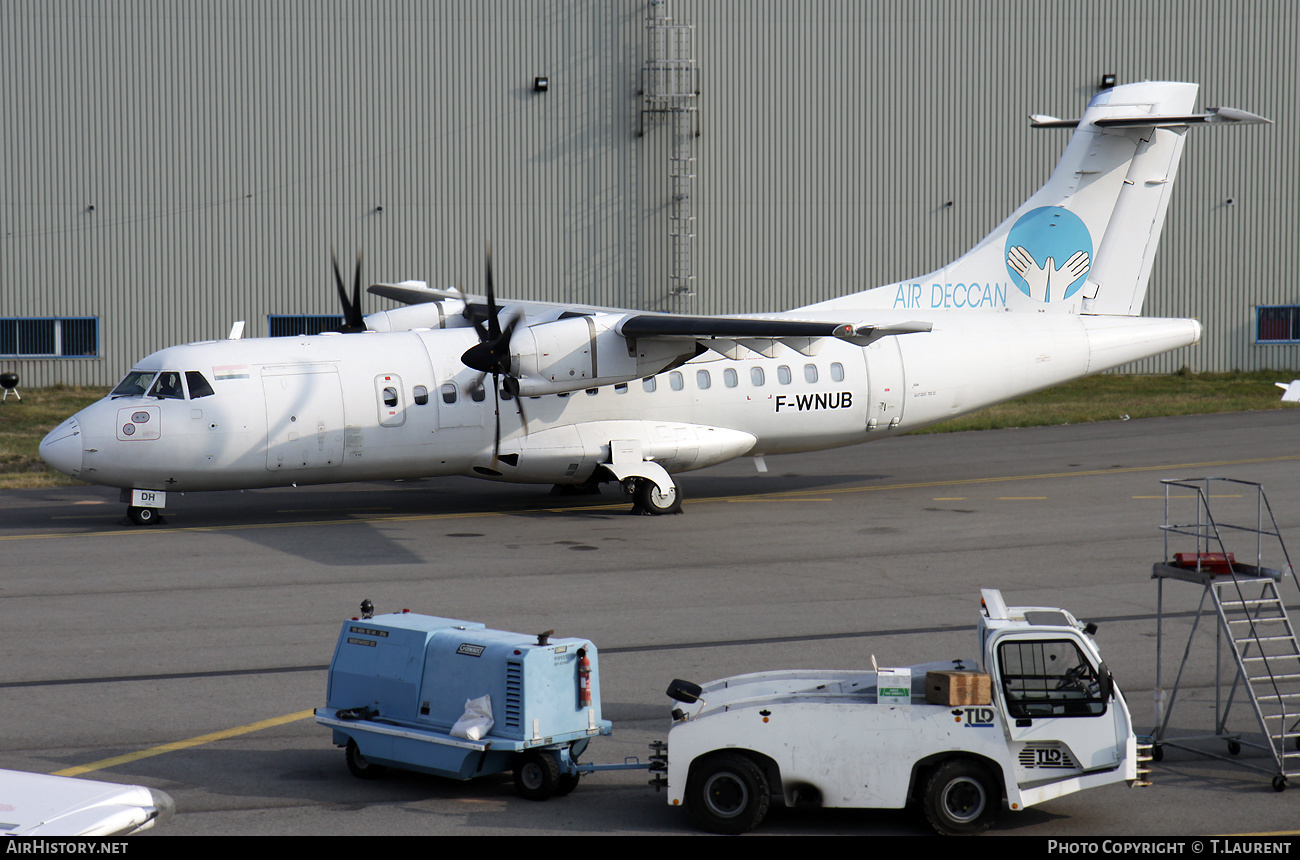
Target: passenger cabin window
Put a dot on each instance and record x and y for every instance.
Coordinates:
(592, 392)
(1049, 679)
(837, 371)
(168, 386)
(448, 392)
(810, 373)
(420, 395)
(649, 384)
(702, 379)
(621, 388)
(783, 374)
(478, 394)
(198, 385)
(757, 377)
(676, 381)
(729, 377)
(390, 396)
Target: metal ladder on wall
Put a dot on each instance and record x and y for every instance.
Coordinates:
(1252, 623)
(670, 87)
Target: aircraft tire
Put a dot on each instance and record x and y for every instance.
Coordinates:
(961, 798)
(357, 763)
(651, 501)
(143, 516)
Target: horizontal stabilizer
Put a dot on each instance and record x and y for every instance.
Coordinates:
(1211, 115)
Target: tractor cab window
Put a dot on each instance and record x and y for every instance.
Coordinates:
(134, 384)
(168, 386)
(198, 385)
(1050, 679)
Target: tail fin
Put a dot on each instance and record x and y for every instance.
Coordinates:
(1086, 240)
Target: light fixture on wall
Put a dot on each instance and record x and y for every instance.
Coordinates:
(1107, 81)
(541, 85)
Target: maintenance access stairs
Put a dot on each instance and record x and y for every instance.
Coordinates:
(1253, 624)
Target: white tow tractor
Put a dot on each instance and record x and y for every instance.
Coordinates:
(1037, 717)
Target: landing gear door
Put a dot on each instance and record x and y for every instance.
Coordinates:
(884, 384)
(304, 416)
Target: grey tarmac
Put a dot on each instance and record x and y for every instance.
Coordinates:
(215, 628)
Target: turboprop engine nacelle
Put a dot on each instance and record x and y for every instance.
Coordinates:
(443, 313)
(586, 351)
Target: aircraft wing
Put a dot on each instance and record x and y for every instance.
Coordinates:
(418, 293)
(46, 805)
(729, 335)
(412, 292)
(741, 328)
(734, 337)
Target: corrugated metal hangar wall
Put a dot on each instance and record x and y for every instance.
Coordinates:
(171, 167)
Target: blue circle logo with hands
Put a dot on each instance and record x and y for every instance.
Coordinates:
(1049, 253)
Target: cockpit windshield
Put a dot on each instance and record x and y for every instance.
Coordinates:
(134, 384)
(164, 386)
(168, 386)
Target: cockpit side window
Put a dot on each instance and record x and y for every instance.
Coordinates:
(134, 383)
(198, 385)
(168, 386)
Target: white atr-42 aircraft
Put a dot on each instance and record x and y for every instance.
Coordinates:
(581, 395)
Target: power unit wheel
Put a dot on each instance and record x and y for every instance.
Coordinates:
(650, 499)
(143, 516)
(537, 776)
(961, 797)
(357, 763)
(1279, 783)
(568, 782)
(727, 793)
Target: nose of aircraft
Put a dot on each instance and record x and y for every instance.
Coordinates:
(61, 448)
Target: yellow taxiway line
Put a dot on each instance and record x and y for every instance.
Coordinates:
(186, 744)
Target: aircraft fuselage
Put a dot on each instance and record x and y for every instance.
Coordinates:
(335, 408)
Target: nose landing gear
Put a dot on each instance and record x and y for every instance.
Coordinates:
(651, 500)
(144, 516)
